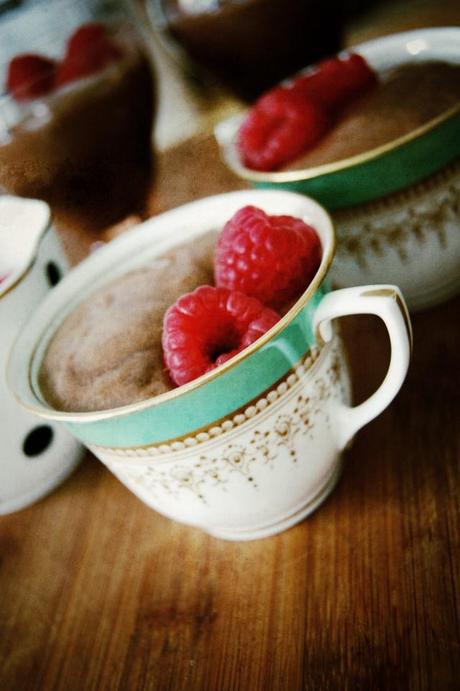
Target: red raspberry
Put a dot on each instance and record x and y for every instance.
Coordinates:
(30, 76)
(336, 81)
(281, 125)
(89, 50)
(207, 327)
(289, 120)
(272, 258)
(84, 37)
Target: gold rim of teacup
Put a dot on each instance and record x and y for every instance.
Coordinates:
(335, 166)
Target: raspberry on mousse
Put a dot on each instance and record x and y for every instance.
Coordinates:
(89, 50)
(292, 118)
(282, 124)
(207, 327)
(261, 262)
(30, 76)
(272, 258)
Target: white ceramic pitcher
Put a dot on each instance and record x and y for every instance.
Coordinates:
(34, 456)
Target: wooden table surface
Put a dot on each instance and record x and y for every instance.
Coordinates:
(98, 592)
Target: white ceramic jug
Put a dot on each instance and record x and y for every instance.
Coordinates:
(34, 456)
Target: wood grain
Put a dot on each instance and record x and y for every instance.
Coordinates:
(97, 592)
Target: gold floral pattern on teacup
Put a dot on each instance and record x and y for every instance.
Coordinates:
(398, 220)
(253, 445)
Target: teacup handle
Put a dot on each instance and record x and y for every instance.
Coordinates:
(386, 302)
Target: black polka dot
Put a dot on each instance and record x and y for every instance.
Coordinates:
(38, 440)
(53, 273)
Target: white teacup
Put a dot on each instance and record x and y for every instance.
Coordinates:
(253, 446)
(35, 456)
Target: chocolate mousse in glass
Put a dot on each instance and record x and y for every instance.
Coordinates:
(250, 45)
(81, 142)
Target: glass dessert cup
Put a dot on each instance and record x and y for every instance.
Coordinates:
(394, 206)
(253, 446)
(85, 148)
(246, 45)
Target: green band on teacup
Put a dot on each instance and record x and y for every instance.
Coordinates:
(199, 407)
(389, 172)
(224, 426)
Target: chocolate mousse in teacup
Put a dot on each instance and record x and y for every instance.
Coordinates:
(35, 455)
(250, 447)
(388, 169)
